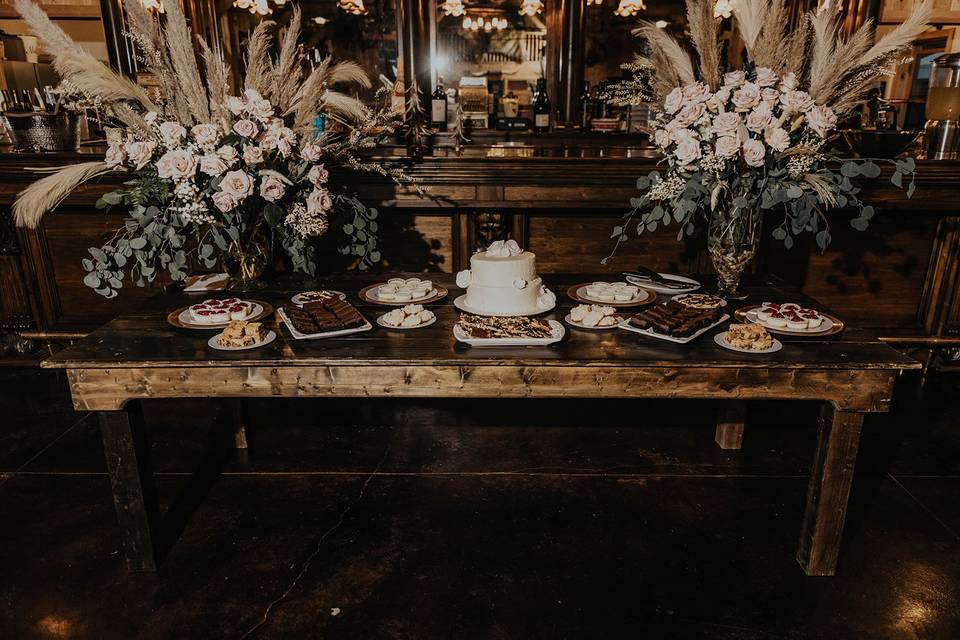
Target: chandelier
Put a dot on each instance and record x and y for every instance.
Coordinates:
(478, 24)
(531, 7)
(353, 7)
(453, 8)
(256, 7)
(596, 2)
(629, 8)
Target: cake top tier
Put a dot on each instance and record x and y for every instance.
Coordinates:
(503, 249)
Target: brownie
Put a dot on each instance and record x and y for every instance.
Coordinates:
(674, 319)
(324, 316)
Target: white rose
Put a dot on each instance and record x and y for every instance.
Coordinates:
(261, 109)
(271, 189)
(115, 155)
(318, 175)
(766, 77)
(151, 117)
(311, 152)
(205, 134)
(727, 146)
(228, 154)
(673, 101)
(746, 97)
(172, 133)
(723, 9)
(177, 164)
(777, 138)
(770, 95)
(687, 151)
(252, 95)
(213, 165)
(319, 201)
(224, 201)
(238, 184)
(796, 102)
(726, 124)
(789, 82)
(252, 155)
(734, 78)
(245, 128)
(235, 105)
(754, 153)
(697, 92)
(140, 153)
(759, 119)
(661, 138)
(718, 102)
(822, 120)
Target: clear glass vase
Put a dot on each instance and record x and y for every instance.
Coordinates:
(732, 241)
(247, 260)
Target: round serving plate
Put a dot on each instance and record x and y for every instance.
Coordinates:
(298, 299)
(833, 324)
(679, 297)
(570, 321)
(212, 343)
(369, 294)
(721, 340)
(578, 292)
(460, 302)
(175, 317)
(653, 286)
(419, 326)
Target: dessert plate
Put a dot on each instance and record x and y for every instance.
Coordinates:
(653, 286)
(693, 298)
(300, 299)
(830, 326)
(370, 294)
(721, 340)
(650, 333)
(460, 302)
(556, 329)
(578, 292)
(402, 328)
(366, 326)
(579, 325)
(212, 343)
(181, 317)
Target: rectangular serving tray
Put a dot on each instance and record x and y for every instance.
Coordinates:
(650, 333)
(328, 334)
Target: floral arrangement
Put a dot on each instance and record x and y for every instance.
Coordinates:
(754, 141)
(211, 172)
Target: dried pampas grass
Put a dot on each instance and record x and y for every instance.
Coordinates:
(667, 56)
(705, 35)
(750, 16)
(183, 61)
(287, 72)
(45, 194)
(768, 50)
(348, 72)
(258, 76)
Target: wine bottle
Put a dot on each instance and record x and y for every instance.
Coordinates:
(541, 108)
(586, 107)
(438, 107)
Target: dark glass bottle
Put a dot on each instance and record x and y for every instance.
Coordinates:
(586, 107)
(438, 107)
(541, 108)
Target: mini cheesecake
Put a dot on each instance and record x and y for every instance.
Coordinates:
(777, 320)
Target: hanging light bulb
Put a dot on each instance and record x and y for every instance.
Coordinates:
(353, 7)
(453, 8)
(531, 7)
(629, 8)
(596, 2)
(153, 5)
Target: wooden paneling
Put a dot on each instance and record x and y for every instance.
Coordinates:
(417, 242)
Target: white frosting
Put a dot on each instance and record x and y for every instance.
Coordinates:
(546, 299)
(520, 283)
(504, 284)
(504, 249)
(463, 279)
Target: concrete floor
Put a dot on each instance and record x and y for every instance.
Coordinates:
(512, 519)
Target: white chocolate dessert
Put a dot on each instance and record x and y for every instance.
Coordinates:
(613, 292)
(407, 317)
(503, 280)
(594, 315)
(400, 290)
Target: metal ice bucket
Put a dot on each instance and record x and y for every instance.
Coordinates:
(43, 131)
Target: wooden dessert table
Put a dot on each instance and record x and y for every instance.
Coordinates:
(140, 356)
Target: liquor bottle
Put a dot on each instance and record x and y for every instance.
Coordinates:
(586, 107)
(438, 107)
(541, 108)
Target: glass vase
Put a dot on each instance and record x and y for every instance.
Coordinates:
(732, 241)
(246, 261)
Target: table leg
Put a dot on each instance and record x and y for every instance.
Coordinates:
(134, 494)
(239, 424)
(829, 490)
(729, 434)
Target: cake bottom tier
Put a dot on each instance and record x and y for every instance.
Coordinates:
(504, 300)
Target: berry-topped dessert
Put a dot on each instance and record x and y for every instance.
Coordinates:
(788, 316)
(220, 311)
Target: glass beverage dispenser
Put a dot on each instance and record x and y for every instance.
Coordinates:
(942, 132)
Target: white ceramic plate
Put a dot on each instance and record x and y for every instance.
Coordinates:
(460, 302)
(825, 327)
(419, 326)
(659, 336)
(579, 325)
(184, 318)
(212, 343)
(298, 299)
(557, 333)
(721, 339)
(374, 294)
(329, 334)
(642, 296)
(653, 286)
(723, 302)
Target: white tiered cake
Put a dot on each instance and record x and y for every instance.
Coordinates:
(503, 281)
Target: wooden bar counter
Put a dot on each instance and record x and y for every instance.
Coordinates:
(139, 356)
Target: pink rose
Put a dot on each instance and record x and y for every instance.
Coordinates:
(205, 134)
(271, 189)
(698, 92)
(319, 201)
(822, 120)
(687, 151)
(718, 102)
(224, 201)
(213, 165)
(235, 105)
(766, 77)
(673, 101)
(252, 155)
(690, 114)
(796, 102)
(311, 152)
(754, 153)
(245, 128)
(178, 164)
(318, 175)
(777, 139)
(770, 95)
(252, 95)
(661, 138)
(746, 97)
(734, 78)
(260, 109)
(759, 119)
(140, 153)
(727, 124)
(238, 184)
(228, 154)
(172, 133)
(727, 146)
(115, 155)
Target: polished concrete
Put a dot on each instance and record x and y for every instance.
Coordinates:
(513, 519)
